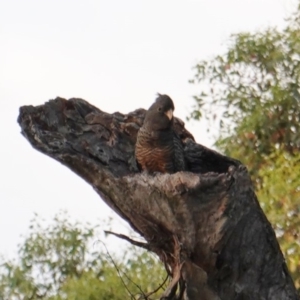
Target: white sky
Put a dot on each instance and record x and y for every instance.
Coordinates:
(116, 55)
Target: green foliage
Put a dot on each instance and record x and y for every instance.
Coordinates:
(67, 261)
(279, 193)
(255, 87)
(251, 95)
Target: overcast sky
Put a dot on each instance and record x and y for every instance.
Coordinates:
(116, 55)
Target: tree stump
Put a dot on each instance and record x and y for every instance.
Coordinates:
(206, 224)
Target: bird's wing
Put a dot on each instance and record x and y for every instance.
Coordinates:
(179, 160)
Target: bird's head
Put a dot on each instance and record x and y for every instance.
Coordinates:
(160, 114)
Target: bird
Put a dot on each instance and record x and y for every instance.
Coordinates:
(158, 148)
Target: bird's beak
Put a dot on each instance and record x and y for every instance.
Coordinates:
(169, 114)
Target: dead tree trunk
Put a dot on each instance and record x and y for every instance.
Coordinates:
(206, 225)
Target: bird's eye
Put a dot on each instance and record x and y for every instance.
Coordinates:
(159, 109)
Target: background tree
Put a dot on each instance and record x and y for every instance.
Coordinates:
(250, 94)
(68, 261)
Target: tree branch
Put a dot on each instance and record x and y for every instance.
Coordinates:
(228, 249)
(128, 239)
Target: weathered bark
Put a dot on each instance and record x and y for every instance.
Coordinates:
(206, 225)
